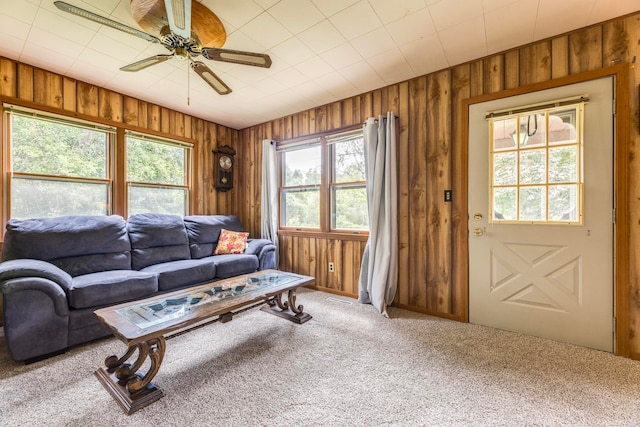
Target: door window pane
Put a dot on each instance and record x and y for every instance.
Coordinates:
(505, 134)
(533, 203)
(505, 167)
(563, 164)
(562, 126)
(563, 202)
(505, 203)
(533, 166)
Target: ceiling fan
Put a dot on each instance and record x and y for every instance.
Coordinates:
(183, 27)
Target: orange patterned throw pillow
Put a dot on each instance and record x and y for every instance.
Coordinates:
(231, 242)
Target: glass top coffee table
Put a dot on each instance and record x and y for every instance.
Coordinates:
(144, 325)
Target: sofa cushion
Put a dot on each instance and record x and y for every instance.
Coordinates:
(76, 244)
(234, 265)
(204, 230)
(176, 274)
(110, 287)
(157, 238)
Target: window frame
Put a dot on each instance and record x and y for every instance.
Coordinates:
(110, 132)
(326, 186)
(188, 165)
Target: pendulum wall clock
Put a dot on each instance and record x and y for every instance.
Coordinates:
(223, 175)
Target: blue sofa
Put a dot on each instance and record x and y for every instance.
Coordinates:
(57, 271)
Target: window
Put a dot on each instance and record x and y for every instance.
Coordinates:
(323, 184)
(536, 166)
(58, 167)
(158, 175)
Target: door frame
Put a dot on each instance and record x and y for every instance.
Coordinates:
(621, 143)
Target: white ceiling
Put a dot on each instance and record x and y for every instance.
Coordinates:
(322, 50)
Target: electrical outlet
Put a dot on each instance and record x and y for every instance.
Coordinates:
(331, 268)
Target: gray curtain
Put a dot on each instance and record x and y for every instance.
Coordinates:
(379, 270)
(269, 199)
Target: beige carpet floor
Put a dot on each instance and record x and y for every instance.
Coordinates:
(348, 366)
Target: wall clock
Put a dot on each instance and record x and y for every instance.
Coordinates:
(223, 174)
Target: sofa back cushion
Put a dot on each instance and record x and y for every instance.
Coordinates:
(204, 230)
(76, 244)
(157, 238)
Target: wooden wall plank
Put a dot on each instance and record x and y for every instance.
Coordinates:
(511, 69)
(476, 79)
(25, 82)
(438, 180)
(585, 50)
(8, 78)
(47, 88)
(130, 108)
(69, 95)
(493, 74)
(87, 102)
(418, 220)
(535, 63)
(153, 117)
(560, 57)
(110, 105)
(404, 154)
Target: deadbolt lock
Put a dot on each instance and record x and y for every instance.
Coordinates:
(477, 216)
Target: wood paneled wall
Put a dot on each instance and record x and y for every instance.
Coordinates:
(432, 267)
(32, 87)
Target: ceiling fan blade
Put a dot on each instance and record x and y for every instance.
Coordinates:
(237, 57)
(179, 17)
(210, 77)
(66, 7)
(144, 63)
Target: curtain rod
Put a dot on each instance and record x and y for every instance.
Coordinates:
(540, 106)
(376, 120)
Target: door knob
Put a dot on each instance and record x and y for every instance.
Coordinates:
(478, 231)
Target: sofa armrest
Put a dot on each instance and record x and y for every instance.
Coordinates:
(265, 250)
(34, 268)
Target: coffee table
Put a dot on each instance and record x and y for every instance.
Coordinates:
(145, 325)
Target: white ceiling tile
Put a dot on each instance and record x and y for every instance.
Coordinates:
(322, 37)
(314, 67)
(556, 17)
(331, 7)
(10, 25)
(448, 13)
(63, 27)
(362, 76)
(266, 4)
(266, 31)
(356, 20)
(341, 56)
(288, 78)
(412, 27)
(40, 56)
(502, 33)
(25, 12)
(296, 15)
(240, 41)
(489, 5)
(464, 42)
(389, 11)
(425, 55)
(122, 13)
(12, 46)
(391, 66)
(54, 43)
(373, 43)
(292, 51)
(237, 13)
(113, 48)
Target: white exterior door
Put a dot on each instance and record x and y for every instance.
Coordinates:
(544, 278)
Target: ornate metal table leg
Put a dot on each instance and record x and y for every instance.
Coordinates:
(129, 388)
(287, 309)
